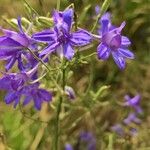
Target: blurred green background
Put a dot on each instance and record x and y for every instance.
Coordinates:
(20, 133)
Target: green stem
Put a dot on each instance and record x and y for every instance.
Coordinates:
(59, 111)
(58, 5)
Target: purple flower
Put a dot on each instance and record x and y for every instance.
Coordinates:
(88, 138)
(132, 117)
(38, 95)
(70, 92)
(60, 38)
(112, 42)
(134, 103)
(16, 85)
(13, 45)
(68, 147)
(13, 83)
(118, 129)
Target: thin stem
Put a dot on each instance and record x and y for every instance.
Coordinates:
(59, 111)
(58, 5)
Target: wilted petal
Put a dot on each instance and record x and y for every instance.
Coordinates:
(81, 38)
(68, 51)
(119, 60)
(126, 53)
(103, 52)
(125, 41)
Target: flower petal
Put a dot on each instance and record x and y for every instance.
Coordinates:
(68, 17)
(125, 41)
(81, 38)
(10, 97)
(68, 51)
(44, 36)
(10, 63)
(119, 60)
(18, 37)
(27, 100)
(126, 53)
(50, 48)
(105, 23)
(103, 52)
(45, 95)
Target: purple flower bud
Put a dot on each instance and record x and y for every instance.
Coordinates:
(70, 92)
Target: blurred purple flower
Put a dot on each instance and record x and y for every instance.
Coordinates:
(134, 103)
(89, 139)
(118, 129)
(132, 117)
(60, 38)
(70, 92)
(68, 147)
(12, 46)
(112, 42)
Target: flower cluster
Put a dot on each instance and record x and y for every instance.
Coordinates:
(26, 49)
(132, 117)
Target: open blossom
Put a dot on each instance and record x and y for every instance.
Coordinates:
(13, 45)
(112, 42)
(60, 38)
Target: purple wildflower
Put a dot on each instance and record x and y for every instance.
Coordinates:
(12, 46)
(38, 95)
(112, 42)
(68, 147)
(17, 85)
(60, 38)
(13, 84)
(134, 103)
(118, 129)
(132, 117)
(70, 92)
(89, 139)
